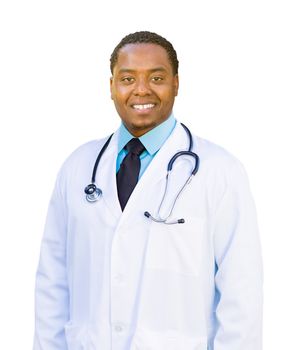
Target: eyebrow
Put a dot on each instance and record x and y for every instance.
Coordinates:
(153, 70)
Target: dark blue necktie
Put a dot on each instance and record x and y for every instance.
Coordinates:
(128, 174)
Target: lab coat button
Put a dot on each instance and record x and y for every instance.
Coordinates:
(118, 328)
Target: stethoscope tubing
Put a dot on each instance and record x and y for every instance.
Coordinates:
(105, 146)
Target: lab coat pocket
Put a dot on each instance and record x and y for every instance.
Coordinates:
(176, 248)
(149, 340)
(75, 337)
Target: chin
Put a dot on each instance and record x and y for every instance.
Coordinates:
(141, 128)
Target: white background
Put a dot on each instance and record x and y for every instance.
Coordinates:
(238, 88)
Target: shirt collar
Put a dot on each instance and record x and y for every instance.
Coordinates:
(153, 139)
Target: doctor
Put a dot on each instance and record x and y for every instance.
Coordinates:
(112, 278)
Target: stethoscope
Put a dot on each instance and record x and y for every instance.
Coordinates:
(93, 193)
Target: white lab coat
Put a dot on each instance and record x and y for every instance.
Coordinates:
(109, 280)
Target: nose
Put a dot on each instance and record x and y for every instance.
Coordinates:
(142, 88)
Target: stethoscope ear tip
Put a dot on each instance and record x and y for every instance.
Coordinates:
(164, 221)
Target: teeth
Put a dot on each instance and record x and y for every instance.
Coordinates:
(150, 105)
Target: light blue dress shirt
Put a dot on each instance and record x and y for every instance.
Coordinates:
(152, 141)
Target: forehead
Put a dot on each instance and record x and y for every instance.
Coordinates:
(142, 57)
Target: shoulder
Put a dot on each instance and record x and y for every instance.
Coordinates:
(217, 163)
(82, 157)
(213, 153)
(87, 149)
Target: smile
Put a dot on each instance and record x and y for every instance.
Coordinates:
(141, 107)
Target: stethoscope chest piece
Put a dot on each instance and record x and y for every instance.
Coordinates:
(92, 193)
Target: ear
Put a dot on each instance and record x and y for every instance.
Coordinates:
(111, 87)
(176, 84)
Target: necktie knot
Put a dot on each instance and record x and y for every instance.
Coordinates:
(135, 146)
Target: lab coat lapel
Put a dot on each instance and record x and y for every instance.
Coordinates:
(106, 177)
(157, 169)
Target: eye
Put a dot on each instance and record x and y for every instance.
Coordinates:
(127, 80)
(157, 79)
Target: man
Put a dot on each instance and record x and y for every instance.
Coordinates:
(154, 261)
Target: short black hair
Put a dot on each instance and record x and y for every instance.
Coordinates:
(145, 37)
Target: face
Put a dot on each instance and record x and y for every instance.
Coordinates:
(143, 87)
